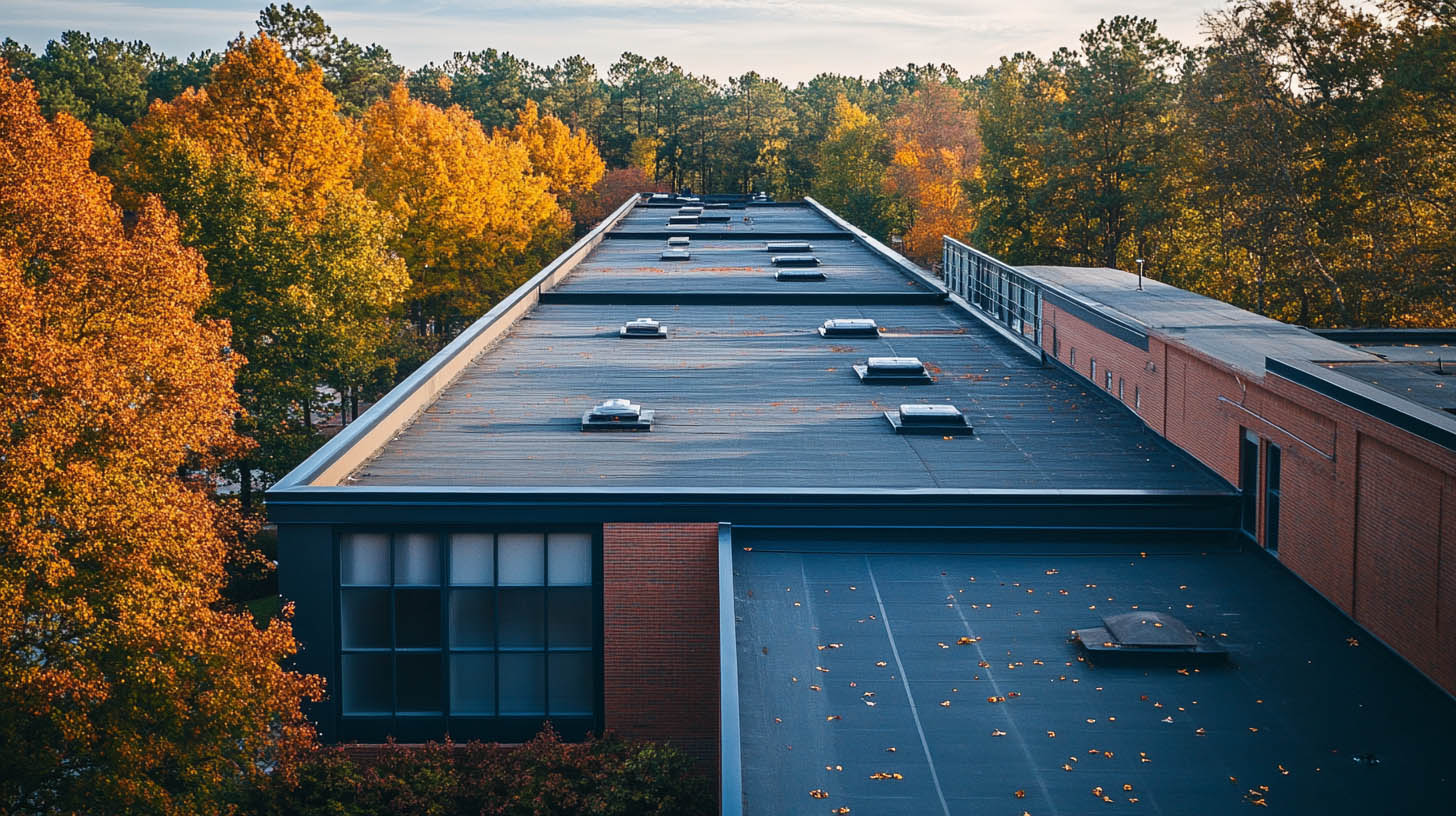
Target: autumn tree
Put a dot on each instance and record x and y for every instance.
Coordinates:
(566, 158)
(125, 686)
(261, 169)
(934, 154)
(471, 207)
(850, 165)
(356, 75)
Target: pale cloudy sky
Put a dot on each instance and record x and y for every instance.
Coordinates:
(790, 39)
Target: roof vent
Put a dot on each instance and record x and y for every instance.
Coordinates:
(939, 420)
(693, 209)
(617, 415)
(894, 370)
(799, 275)
(715, 218)
(795, 260)
(1145, 633)
(674, 254)
(789, 246)
(660, 197)
(849, 327)
(642, 327)
(716, 205)
(677, 220)
(678, 241)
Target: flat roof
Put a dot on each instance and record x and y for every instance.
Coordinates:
(1220, 330)
(851, 663)
(748, 395)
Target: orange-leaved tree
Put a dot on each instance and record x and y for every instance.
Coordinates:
(935, 148)
(472, 208)
(126, 686)
(260, 168)
(565, 157)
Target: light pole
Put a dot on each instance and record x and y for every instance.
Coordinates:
(1140, 274)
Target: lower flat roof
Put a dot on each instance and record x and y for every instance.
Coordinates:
(850, 665)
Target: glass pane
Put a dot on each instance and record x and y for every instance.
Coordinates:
(472, 684)
(416, 618)
(571, 617)
(364, 618)
(472, 618)
(416, 559)
(472, 559)
(419, 679)
(522, 559)
(570, 561)
(522, 684)
(366, 684)
(364, 559)
(522, 618)
(572, 688)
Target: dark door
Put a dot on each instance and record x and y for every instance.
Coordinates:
(1249, 480)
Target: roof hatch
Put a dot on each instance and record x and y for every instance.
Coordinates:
(894, 370)
(677, 220)
(935, 419)
(789, 246)
(795, 260)
(642, 327)
(674, 254)
(799, 275)
(617, 415)
(1145, 633)
(849, 327)
(678, 241)
(691, 209)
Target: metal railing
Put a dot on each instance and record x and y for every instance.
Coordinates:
(999, 292)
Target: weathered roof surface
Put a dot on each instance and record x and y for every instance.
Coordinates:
(1300, 717)
(749, 396)
(1221, 330)
(776, 218)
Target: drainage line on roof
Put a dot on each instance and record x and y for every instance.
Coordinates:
(905, 681)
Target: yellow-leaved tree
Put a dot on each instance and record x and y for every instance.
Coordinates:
(935, 149)
(566, 158)
(126, 686)
(471, 207)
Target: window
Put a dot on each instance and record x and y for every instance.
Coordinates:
(1108, 386)
(1092, 370)
(467, 624)
(1072, 357)
(1248, 479)
(1273, 463)
(1119, 387)
(1137, 397)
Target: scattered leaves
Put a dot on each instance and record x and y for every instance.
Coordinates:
(819, 794)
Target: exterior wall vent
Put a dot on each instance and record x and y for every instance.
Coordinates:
(1145, 633)
(692, 209)
(679, 241)
(849, 327)
(679, 220)
(674, 254)
(795, 260)
(930, 420)
(715, 218)
(799, 275)
(642, 327)
(617, 415)
(788, 246)
(894, 370)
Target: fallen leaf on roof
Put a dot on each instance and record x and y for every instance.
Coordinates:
(870, 703)
(890, 750)
(840, 810)
(998, 733)
(796, 603)
(966, 641)
(1167, 719)
(881, 663)
(815, 688)
(1200, 732)
(886, 775)
(1127, 787)
(1183, 672)
(1143, 757)
(778, 719)
(988, 699)
(1021, 794)
(831, 718)
(945, 703)
(821, 668)
(1253, 730)
(1283, 770)
(852, 587)
(941, 644)
(1052, 572)
(1052, 734)
(1097, 791)
(1352, 641)
(819, 794)
(1066, 767)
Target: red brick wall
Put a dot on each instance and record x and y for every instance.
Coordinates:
(1368, 511)
(660, 638)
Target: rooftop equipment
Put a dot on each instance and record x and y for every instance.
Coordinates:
(894, 370)
(674, 254)
(799, 275)
(678, 241)
(677, 220)
(936, 420)
(1145, 633)
(661, 197)
(694, 209)
(795, 260)
(617, 415)
(788, 246)
(715, 218)
(849, 327)
(717, 205)
(642, 327)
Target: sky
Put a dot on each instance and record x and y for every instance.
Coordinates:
(789, 39)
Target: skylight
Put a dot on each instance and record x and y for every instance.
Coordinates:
(894, 371)
(617, 415)
(930, 420)
(849, 327)
(642, 327)
(795, 260)
(674, 254)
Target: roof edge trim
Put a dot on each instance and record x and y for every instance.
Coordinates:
(351, 447)
(905, 265)
(1412, 417)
